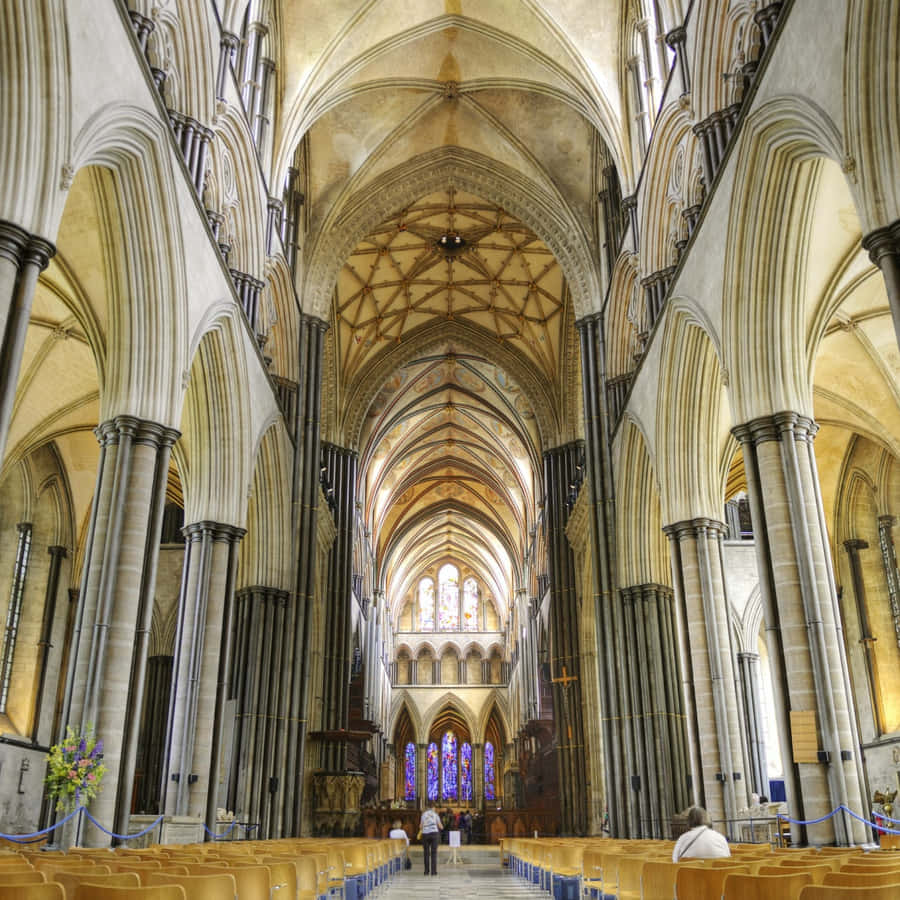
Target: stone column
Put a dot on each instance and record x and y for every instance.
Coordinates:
(341, 465)
(889, 559)
(305, 490)
(866, 638)
(660, 763)
(696, 554)
(57, 555)
(606, 606)
(22, 259)
(803, 631)
(109, 645)
(422, 775)
(758, 776)
(228, 44)
(565, 659)
(883, 245)
(202, 647)
(676, 40)
(258, 678)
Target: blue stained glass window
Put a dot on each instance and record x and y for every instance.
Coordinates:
(465, 773)
(426, 605)
(470, 605)
(448, 757)
(433, 768)
(410, 773)
(490, 791)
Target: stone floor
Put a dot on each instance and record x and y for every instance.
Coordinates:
(478, 874)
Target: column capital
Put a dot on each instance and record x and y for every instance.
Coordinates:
(20, 247)
(883, 242)
(229, 40)
(676, 37)
(142, 431)
(314, 322)
(694, 528)
(775, 427)
(216, 530)
(887, 521)
(587, 321)
(57, 550)
(855, 545)
(748, 655)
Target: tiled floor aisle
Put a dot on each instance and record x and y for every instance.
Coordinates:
(479, 875)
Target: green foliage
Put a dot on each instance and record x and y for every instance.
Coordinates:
(75, 769)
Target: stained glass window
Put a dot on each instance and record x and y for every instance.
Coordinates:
(410, 772)
(490, 791)
(465, 773)
(470, 605)
(448, 757)
(448, 613)
(432, 772)
(426, 605)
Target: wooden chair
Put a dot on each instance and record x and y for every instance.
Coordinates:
(630, 869)
(816, 872)
(30, 876)
(863, 879)
(829, 892)
(198, 887)
(103, 892)
(70, 881)
(699, 883)
(253, 882)
(765, 887)
(658, 880)
(49, 891)
(16, 873)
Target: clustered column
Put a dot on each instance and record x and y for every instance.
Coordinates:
(23, 257)
(605, 605)
(748, 665)
(559, 472)
(697, 568)
(806, 649)
(341, 465)
(258, 680)
(660, 761)
(107, 664)
(202, 659)
(304, 512)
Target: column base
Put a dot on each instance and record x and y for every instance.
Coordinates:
(171, 830)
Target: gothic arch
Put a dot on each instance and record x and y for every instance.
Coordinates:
(766, 354)
(497, 708)
(402, 704)
(147, 282)
(643, 554)
(624, 317)
(447, 703)
(215, 450)
(871, 81)
(691, 420)
(357, 214)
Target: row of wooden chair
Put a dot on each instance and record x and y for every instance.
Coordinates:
(305, 869)
(642, 870)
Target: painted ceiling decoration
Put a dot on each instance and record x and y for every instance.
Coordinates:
(449, 448)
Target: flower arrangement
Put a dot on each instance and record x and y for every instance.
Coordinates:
(75, 769)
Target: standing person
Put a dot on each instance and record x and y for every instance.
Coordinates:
(397, 831)
(430, 829)
(700, 842)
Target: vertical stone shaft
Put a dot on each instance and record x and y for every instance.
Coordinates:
(107, 662)
(559, 473)
(712, 670)
(22, 259)
(792, 548)
(305, 501)
(605, 600)
(748, 663)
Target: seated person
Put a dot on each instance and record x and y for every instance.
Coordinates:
(700, 842)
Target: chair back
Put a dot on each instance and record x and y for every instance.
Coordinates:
(108, 892)
(70, 881)
(198, 887)
(824, 892)
(49, 891)
(658, 880)
(765, 887)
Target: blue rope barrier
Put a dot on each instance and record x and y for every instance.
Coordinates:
(123, 837)
(886, 818)
(36, 835)
(879, 828)
(224, 834)
(807, 821)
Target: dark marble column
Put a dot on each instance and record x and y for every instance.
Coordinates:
(866, 638)
(748, 664)
(22, 259)
(565, 657)
(889, 559)
(676, 39)
(228, 44)
(291, 737)
(883, 246)
(57, 555)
